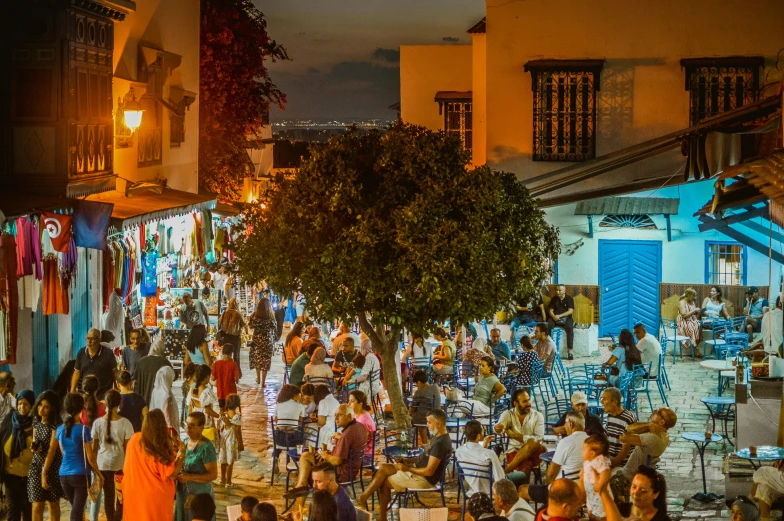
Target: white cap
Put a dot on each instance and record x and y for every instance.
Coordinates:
(579, 397)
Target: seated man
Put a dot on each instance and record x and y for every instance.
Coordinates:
(593, 424)
(567, 460)
(525, 429)
(511, 506)
(770, 339)
(426, 398)
(352, 440)
(426, 472)
(526, 314)
(563, 502)
(325, 478)
(345, 357)
(618, 420)
(754, 309)
(649, 441)
(649, 347)
(475, 451)
(500, 350)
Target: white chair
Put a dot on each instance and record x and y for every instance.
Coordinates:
(424, 514)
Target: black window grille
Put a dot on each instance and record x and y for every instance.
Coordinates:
(718, 85)
(458, 119)
(564, 111)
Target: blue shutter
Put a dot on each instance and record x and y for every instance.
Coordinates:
(645, 281)
(80, 303)
(40, 355)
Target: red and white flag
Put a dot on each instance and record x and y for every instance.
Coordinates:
(59, 228)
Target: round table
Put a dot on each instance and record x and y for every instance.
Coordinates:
(720, 402)
(718, 366)
(699, 439)
(764, 453)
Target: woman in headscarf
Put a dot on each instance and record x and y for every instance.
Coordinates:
(16, 438)
(479, 349)
(162, 397)
(317, 368)
(230, 327)
(265, 333)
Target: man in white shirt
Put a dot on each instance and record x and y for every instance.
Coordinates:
(649, 347)
(525, 429)
(475, 453)
(509, 503)
(567, 460)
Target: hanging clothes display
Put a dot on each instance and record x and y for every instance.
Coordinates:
(55, 292)
(9, 296)
(28, 248)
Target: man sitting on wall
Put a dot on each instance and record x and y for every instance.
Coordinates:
(560, 315)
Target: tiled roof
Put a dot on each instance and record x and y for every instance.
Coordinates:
(628, 206)
(480, 27)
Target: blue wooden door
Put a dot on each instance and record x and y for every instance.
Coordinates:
(629, 277)
(45, 347)
(80, 302)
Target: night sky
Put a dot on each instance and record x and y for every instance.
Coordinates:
(345, 58)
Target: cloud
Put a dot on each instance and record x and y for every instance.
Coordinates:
(389, 55)
(450, 39)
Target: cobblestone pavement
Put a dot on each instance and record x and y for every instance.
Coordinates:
(680, 464)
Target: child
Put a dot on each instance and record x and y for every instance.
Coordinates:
(93, 408)
(188, 380)
(354, 372)
(246, 505)
(230, 439)
(110, 433)
(132, 405)
(596, 473)
(226, 374)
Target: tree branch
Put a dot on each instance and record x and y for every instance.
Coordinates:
(366, 326)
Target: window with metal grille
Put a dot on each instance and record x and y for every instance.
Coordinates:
(725, 263)
(718, 85)
(564, 111)
(458, 120)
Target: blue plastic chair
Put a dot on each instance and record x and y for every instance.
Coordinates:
(733, 346)
(718, 329)
(737, 328)
(472, 470)
(640, 381)
(669, 330)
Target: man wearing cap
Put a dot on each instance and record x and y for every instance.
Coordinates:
(754, 309)
(593, 424)
(649, 441)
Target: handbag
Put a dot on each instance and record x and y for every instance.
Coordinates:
(94, 489)
(451, 394)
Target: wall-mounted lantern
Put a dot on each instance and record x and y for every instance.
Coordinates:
(132, 113)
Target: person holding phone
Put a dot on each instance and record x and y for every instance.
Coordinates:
(754, 309)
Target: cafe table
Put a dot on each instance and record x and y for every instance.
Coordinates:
(764, 453)
(699, 439)
(718, 366)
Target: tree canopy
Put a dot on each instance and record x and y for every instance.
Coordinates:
(235, 90)
(397, 229)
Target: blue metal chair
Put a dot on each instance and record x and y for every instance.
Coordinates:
(640, 380)
(718, 329)
(464, 377)
(553, 411)
(355, 463)
(559, 371)
(669, 330)
(472, 470)
(537, 368)
(329, 382)
(737, 328)
(556, 333)
(732, 346)
(398, 442)
(630, 402)
(438, 488)
(286, 435)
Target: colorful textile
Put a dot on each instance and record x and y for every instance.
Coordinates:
(9, 296)
(91, 224)
(149, 285)
(151, 311)
(59, 228)
(55, 293)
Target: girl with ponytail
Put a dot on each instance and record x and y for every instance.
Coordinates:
(93, 408)
(110, 434)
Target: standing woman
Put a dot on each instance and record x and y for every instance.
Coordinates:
(74, 440)
(198, 351)
(199, 469)
(46, 419)
(16, 439)
(230, 326)
(151, 467)
(264, 333)
(163, 399)
(689, 319)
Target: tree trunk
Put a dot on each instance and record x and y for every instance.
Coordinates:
(394, 388)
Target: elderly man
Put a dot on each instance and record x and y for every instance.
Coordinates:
(649, 441)
(148, 367)
(563, 502)
(511, 506)
(560, 314)
(650, 349)
(325, 478)
(192, 312)
(351, 441)
(525, 429)
(618, 420)
(95, 359)
(593, 424)
(567, 460)
(426, 472)
(500, 349)
(475, 452)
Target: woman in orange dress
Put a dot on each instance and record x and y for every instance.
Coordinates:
(152, 463)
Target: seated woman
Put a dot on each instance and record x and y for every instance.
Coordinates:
(488, 388)
(525, 361)
(624, 357)
(444, 355)
(688, 319)
(714, 306)
(318, 368)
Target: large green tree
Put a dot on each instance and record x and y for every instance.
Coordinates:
(235, 90)
(397, 229)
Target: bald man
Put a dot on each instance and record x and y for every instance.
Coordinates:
(350, 441)
(564, 501)
(95, 359)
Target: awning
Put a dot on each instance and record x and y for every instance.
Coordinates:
(14, 204)
(453, 95)
(628, 206)
(150, 206)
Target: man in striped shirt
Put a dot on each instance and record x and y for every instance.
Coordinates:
(618, 420)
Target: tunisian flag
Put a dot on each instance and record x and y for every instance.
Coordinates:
(59, 228)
